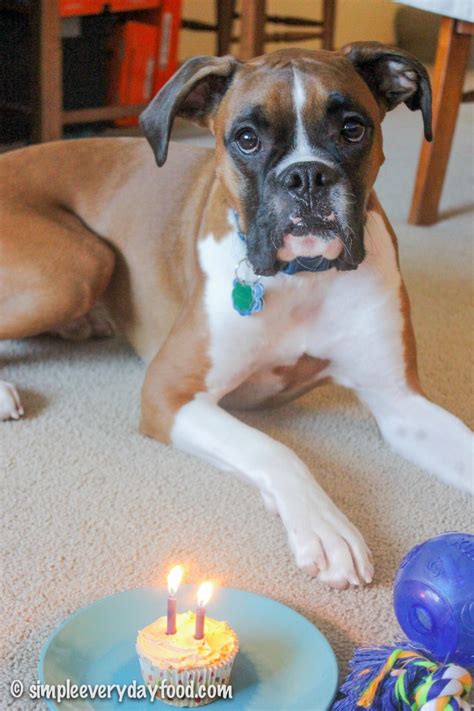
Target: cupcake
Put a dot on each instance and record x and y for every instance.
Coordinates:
(180, 661)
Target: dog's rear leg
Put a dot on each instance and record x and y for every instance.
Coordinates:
(52, 271)
(97, 323)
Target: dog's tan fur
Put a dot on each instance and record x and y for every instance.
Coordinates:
(79, 223)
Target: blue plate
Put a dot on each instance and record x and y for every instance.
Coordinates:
(284, 663)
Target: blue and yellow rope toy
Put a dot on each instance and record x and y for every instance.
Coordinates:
(403, 679)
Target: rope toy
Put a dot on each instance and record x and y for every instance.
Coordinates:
(403, 679)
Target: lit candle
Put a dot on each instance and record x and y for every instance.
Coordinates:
(174, 578)
(203, 597)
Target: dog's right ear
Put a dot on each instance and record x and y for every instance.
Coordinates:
(194, 92)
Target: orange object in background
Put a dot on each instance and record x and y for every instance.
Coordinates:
(132, 66)
(127, 5)
(144, 56)
(68, 8)
(167, 47)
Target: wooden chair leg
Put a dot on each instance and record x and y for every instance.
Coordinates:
(450, 68)
(225, 15)
(47, 79)
(252, 29)
(329, 20)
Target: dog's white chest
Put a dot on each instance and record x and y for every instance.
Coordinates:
(323, 316)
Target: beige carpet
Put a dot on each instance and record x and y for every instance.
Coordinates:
(90, 507)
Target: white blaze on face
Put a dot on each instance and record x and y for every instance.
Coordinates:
(309, 245)
(302, 151)
(299, 97)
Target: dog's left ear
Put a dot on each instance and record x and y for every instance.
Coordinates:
(393, 76)
(194, 92)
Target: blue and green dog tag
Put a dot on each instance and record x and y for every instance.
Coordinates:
(247, 297)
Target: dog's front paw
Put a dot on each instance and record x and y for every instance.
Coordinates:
(325, 544)
(10, 403)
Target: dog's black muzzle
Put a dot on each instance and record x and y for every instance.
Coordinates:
(306, 198)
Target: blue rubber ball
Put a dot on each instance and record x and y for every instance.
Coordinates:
(434, 597)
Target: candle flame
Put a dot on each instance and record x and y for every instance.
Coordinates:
(204, 593)
(174, 579)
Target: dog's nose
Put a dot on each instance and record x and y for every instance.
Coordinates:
(303, 178)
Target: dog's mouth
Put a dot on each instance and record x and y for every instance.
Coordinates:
(311, 237)
(326, 227)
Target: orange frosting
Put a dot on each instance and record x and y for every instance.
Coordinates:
(182, 650)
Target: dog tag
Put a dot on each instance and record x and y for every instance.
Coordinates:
(247, 299)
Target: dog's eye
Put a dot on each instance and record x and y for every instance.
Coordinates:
(247, 140)
(353, 130)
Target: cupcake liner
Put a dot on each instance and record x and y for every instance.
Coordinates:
(205, 676)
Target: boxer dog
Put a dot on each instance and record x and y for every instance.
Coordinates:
(244, 275)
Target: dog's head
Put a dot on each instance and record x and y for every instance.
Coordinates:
(298, 140)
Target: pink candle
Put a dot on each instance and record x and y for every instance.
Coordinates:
(200, 618)
(203, 597)
(171, 616)
(174, 579)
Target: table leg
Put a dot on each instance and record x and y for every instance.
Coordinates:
(225, 17)
(329, 20)
(47, 79)
(450, 67)
(252, 29)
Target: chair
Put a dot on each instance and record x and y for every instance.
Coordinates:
(452, 56)
(253, 34)
(47, 114)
